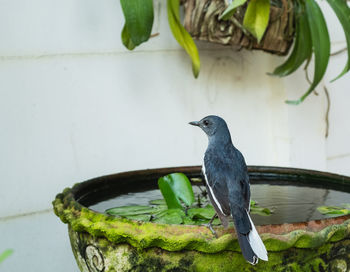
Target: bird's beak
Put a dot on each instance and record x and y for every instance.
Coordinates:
(194, 123)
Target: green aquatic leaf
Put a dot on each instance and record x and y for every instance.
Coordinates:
(260, 211)
(345, 206)
(231, 9)
(176, 188)
(200, 221)
(188, 221)
(138, 20)
(157, 202)
(256, 18)
(131, 210)
(201, 213)
(196, 180)
(255, 209)
(5, 254)
(181, 35)
(320, 43)
(333, 210)
(342, 11)
(171, 216)
(126, 39)
(302, 49)
(139, 217)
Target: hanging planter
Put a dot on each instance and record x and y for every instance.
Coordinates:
(203, 21)
(268, 25)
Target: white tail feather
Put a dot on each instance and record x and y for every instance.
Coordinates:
(256, 243)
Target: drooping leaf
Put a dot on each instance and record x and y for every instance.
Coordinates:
(171, 216)
(231, 9)
(131, 210)
(176, 188)
(181, 35)
(342, 11)
(257, 17)
(4, 255)
(302, 49)
(333, 210)
(320, 43)
(138, 20)
(126, 39)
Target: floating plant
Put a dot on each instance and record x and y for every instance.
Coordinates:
(179, 206)
(343, 209)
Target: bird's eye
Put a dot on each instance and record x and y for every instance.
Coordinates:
(206, 122)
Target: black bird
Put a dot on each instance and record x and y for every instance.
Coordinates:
(227, 182)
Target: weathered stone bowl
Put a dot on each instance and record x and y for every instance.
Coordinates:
(105, 243)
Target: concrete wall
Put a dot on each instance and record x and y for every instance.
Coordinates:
(75, 104)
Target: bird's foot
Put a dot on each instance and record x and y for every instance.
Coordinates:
(209, 226)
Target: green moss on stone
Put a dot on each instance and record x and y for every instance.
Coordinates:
(142, 235)
(123, 257)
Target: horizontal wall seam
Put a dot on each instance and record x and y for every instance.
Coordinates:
(16, 216)
(113, 53)
(82, 54)
(93, 54)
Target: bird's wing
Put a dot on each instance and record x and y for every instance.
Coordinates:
(228, 183)
(240, 175)
(217, 185)
(239, 192)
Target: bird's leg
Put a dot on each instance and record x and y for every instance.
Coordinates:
(209, 225)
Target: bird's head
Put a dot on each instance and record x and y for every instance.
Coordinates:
(212, 125)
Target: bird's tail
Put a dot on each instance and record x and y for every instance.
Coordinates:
(251, 245)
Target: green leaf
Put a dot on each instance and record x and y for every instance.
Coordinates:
(333, 210)
(157, 202)
(345, 206)
(196, 180)
(126, 39)
(321, 45)
(138, 20)
(4, 255)
(131, 210)
(188, 221)
(255, 209)
(181, 35)
(260, 211)
(198, 221)
(171, 216)
(302, 49)
(139, 217)
(175, 188)
(201, 213)
(342, 11)
(256, 18)
(231, 9)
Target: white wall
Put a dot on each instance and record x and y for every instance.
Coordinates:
(75, 104)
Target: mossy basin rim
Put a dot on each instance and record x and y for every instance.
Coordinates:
(72, 207)
(75, 203)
